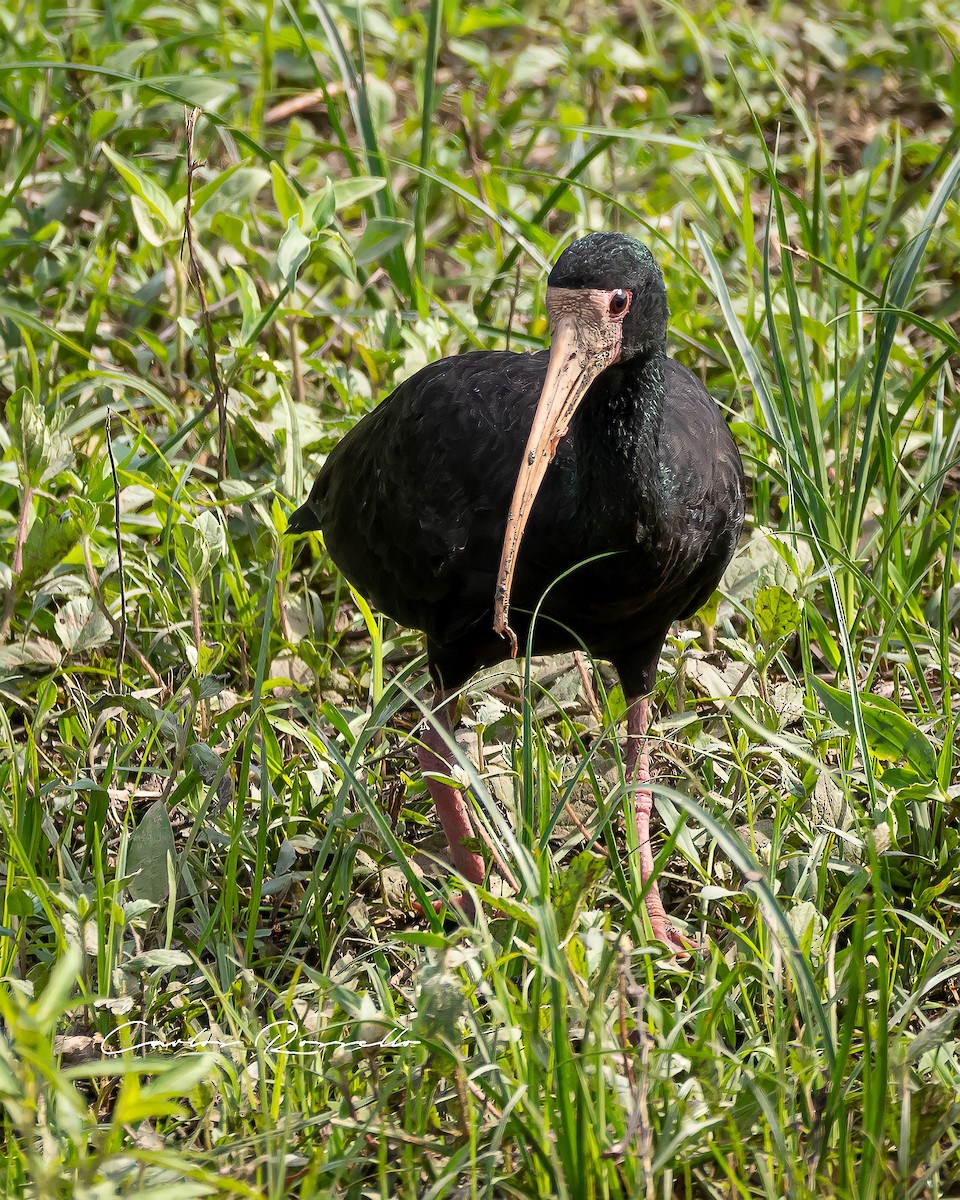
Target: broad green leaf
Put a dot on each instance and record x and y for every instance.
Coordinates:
(352, 191)
(208, 656)
(160, 961)
(81, 626)
(205, 761)
(285, 196)
(141, 707)
(100, 123)
(235, 186)
(381, 235)
(153, 196)
(332, 251)
(20, 903)
(440, 1005)
(151, 844)
(153, 231)
(211, 530)
(891, 736)
(807, 925)
(759, 711)
(616, 703)
(707, 613)
(42, 447)
(198, 545)
(30, 652)
(769, 559)
(250, 307)
(931, 893)
(292, 252)
(322, 206)
(574, 886)
(777, 613)
(190, 551)
(233, 229)
(50, 539)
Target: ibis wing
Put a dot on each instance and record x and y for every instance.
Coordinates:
(413, 501)
(703, 484)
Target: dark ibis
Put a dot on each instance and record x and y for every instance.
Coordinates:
(597, 480)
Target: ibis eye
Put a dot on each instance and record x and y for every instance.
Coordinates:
(619, 302)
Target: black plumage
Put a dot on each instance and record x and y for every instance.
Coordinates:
(626, 530)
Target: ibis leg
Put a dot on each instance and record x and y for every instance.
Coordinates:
(637, 770)
(452, 808)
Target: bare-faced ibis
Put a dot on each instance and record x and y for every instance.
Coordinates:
(599, 478)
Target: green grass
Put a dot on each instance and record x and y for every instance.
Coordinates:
(212, 981)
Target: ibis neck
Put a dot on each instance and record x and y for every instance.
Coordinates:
(620, 422)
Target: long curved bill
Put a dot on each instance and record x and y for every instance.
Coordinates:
(579, 351)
